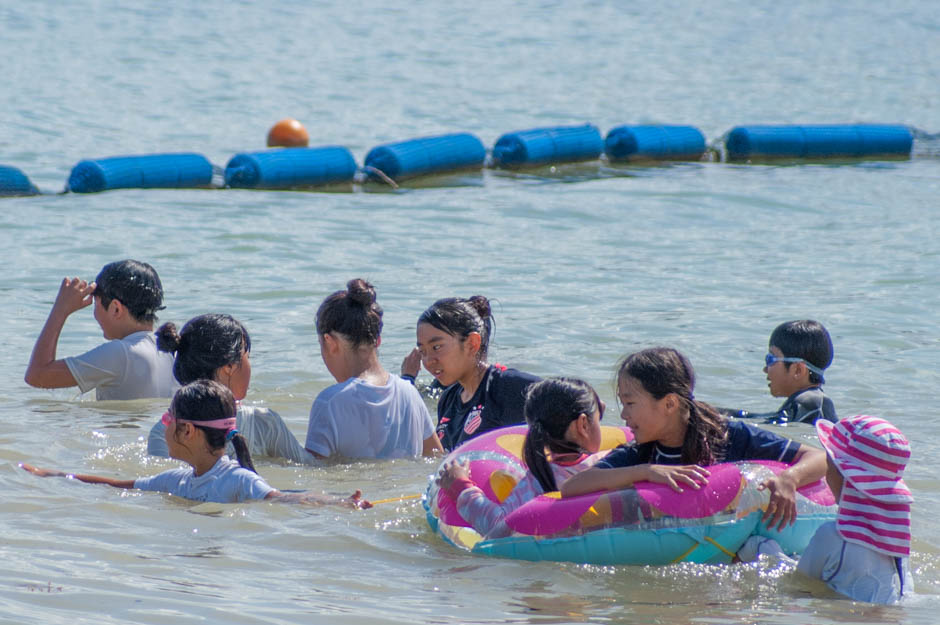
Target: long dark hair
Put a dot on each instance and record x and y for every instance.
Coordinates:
(663, 370)
(459, 317)
(352, 313)
(207, 400)
(205, 344)
(551, 405)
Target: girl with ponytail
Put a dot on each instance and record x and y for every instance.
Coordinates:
(218, 347)
(564, 417)
(367, 413)
(200, 422)
(453, 342)
(677, 436)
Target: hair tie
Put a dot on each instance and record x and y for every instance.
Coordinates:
(691, 398)
(230, 435)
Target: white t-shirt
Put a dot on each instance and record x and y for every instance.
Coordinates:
(852, 570)
(128, 368)
(354, 419)
(265, 431)
(225, 482)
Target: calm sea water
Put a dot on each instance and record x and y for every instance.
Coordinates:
(584, 264)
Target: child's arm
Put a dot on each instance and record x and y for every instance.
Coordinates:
(307, 497)
(432, 446)
(90, 479)
(597, 478)
(44, 371)
(809, 465)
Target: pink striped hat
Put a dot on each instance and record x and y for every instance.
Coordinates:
(875, 505)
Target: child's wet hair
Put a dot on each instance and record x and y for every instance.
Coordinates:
(551, 405)
(208, 400)
(133, 283)
(460, 317)
(806, 339)
(205, 344)
(661, 371)
(353, 314)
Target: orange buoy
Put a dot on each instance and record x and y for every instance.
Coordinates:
(288, 133)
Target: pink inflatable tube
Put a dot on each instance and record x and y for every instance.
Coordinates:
(647, 524)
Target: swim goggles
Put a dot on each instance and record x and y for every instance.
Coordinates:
(771, 360)
(219, 424)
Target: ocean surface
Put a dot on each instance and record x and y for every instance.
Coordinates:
(583, 264)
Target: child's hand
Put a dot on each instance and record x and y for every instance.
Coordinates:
(689, 474)
(452, 472)
(356, 501)
(41, 472)
(781, 511)
(74, 294)
(411, 365)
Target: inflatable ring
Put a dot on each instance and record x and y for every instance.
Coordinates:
(646, 524)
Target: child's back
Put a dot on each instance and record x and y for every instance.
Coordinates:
(864, 553)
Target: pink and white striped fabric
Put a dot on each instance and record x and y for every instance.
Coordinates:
(875, 505)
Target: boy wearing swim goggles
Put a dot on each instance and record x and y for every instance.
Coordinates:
(798, 354)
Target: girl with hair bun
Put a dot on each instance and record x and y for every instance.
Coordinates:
(217, 347)
(564, 417)
(453, 339)
(200, 422)
(676, 436)
(368, 413)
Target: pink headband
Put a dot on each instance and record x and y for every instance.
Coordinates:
(220, 424)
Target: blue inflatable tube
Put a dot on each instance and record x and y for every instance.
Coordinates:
(542, 146)
(655, 143)
(846, 140)
(429, 155)
(177, 171)
(290, 167)
(15, 182)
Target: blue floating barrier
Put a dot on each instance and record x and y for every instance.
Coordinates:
(845, 140)
(290, 167)
(176, 171)
(15, 182)
(428, 155)
(655, 143)
(540, 146)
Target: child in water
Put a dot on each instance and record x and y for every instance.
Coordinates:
(864, 553)
(453, 339)
(368, 413)
(218, 347)
(798, 353)
(200, 421)
(676, 436)
(126, 295)
(564, 417)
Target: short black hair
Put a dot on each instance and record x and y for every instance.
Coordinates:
(134, 284)
(806, 339)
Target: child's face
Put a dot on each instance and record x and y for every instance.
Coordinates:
(782, 380)
(239, 377)
(585, 431)
(647, 416)
(834, 478)
(101, 316)
(445, 356)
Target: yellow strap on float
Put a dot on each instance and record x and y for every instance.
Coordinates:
(395, 499)
(710, 540)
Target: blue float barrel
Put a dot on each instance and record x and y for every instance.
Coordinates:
(541, 146)
(143, 172)
(655, 143)
(290, 167)
(15, 182)
(846, 140)
(428, 155)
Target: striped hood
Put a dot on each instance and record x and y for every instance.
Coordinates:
(875, 505)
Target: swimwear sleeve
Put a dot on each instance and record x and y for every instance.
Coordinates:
(322, 434)
(103, 364)
(166, 482)
(749, 442)
(487, 517)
